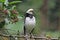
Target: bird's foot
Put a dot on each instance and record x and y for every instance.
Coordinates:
(31, 36)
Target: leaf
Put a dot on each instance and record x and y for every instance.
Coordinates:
(2, 0)
(14, 2)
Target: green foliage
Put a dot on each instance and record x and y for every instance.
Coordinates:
(8, 12)
(55, 34)
(2, 24)
(14, 2)
(2, 0)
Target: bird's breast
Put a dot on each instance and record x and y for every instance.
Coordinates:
(30, 21)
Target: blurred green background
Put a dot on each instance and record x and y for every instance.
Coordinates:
(36, 5)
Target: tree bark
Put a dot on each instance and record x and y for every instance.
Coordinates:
(44, 10)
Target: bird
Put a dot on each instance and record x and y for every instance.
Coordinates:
(29, 22)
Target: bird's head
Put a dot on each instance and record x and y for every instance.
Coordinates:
(29, 13)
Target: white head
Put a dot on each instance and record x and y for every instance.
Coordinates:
(30, 11)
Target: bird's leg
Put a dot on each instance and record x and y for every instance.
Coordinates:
(26, 34)
(31, 35)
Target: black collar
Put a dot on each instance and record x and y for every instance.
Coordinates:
(29, 15)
